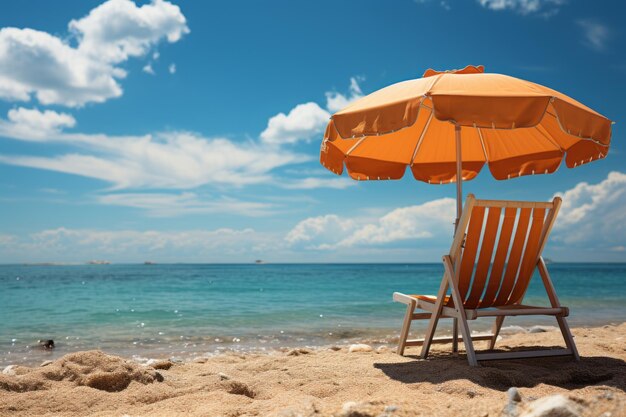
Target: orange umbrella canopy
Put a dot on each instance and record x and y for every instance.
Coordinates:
(515, 126)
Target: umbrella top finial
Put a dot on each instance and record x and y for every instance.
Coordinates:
(470, 69)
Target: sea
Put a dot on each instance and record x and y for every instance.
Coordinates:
(185, 311)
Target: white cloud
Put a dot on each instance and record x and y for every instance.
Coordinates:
(169, 205)
(310, 183)
(524, 7)
(79, 245)
(172, 69)
(302, 123)
(33, 124)
(324, 227)
(596, 35)
(337, 101)
(593, 214)
(148, 69)
(424, 221)
(36, 62)
(175, 160)
(118, 29)
(308, 120)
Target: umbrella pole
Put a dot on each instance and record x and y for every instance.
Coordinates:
(459, 209)
(459, 176)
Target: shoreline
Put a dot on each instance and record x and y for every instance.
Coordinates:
(325, 382)
(195, 347)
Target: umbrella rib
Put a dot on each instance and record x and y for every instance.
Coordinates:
(419, 142)
(482, 143)
(355, 145)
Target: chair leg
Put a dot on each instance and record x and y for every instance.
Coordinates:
(458, 306)
(467, 340)
(554, 302)
(495, 330)
(434, 318)
(455, 335)
(567, 336)
(406, 325)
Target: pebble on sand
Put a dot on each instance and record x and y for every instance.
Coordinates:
(359, 347)
(552, 406)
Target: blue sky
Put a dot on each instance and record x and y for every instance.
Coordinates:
(189, 131)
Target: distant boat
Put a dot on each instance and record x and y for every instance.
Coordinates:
(149, 263)
(259, 261)
(98, 262)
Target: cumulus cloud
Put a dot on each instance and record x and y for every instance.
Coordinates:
(118, 29)
(169, 205)
(595, 34)
(524, 7)
(33, 124)
(424, 221)
(593, 214)
(80, 245)
(307, 121)
(336, 101)
(320, 227)
(303, 122)
(56, 72)
(172, 69)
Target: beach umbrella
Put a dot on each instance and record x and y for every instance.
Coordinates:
(447, 125)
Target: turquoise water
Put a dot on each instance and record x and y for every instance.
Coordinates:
(151, 311)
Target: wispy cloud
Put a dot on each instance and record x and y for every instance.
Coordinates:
(79, 245)
(445, 4)
(544, 8)
(36, 62)
(595, 34)
(170, 205)
(175, 160)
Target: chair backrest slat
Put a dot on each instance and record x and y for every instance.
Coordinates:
(512, 265)
(502, 251)
(484, 258)
(530, 256)
(470, 248)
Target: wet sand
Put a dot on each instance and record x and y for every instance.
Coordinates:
(328, 382)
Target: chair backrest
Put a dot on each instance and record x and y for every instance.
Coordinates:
(496, 248)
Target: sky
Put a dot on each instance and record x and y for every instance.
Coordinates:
(189, 131)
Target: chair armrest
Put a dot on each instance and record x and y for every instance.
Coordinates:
(405, 299)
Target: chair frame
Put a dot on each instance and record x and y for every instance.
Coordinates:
(461, 315)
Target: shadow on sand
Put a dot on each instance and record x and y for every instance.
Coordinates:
(501, 375)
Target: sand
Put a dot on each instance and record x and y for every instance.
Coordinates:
(330, 382)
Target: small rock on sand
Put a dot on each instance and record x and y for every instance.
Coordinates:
(163, 365)
(513, 395)
(45, 363)
(9, 370)
(382, 349)
(552, 406)
(298, 352)
(542, 329)
(223, 376)
(359, 347)
(510, 330)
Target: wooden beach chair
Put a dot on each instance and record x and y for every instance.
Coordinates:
(496, 248)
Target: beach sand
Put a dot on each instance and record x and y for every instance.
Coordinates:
(329, 382)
